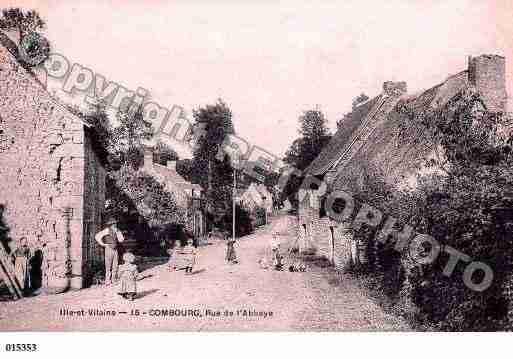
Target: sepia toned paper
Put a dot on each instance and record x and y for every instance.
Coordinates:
(256, 166)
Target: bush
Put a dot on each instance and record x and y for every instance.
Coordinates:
(243, 222)
(456, 207)
(260, 216)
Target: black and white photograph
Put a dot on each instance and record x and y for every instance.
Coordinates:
(244, 166)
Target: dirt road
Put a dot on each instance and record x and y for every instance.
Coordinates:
(217, 296)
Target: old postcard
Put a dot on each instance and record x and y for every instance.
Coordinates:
(256, 166)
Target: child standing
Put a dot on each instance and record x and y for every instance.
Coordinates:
(231, 256)
(277, 258)
(172, 259)
(189, 253)
(128, 277)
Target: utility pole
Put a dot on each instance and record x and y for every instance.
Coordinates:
(265, 208)
(234, 197)
(235, 164)
(193, 218)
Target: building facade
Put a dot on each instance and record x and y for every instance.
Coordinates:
(258, 201)
(377, 135)
(188, 195)
(53, 179)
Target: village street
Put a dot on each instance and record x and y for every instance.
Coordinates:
(298, 301)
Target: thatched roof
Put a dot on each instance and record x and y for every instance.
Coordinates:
(379, 135)
(331, 153)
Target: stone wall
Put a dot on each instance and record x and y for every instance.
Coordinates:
(323, 235)
(488, 74)
(42, 167)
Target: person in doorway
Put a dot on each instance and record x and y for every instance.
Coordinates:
(21, 265)
(128, 277)
(109, 238)
(189, 256)
(231, 255)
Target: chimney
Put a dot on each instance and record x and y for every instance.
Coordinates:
(148, 158)
(487, 73)
(171, 165)
(391, 88)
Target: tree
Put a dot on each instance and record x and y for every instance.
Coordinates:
(293, 155)
(32, 48)
(313, 125)
(20, 21)
(128, 138)
(243, 219)
(213, 174)
(313, 128)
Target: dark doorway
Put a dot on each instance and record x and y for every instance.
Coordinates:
(36, 272)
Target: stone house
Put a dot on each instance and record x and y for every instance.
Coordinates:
(267, 198)
(246, 200)
(374, 136)
(188, 195)
(53, 179)
(250, 198)
(255, 197)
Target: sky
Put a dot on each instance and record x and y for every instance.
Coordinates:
(271, 60)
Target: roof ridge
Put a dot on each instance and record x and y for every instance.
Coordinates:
(360, 131)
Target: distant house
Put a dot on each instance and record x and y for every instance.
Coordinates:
(250, 198)
(257, 199)
(267, 198)
(188, 195)
(52, 179)
(374, 136)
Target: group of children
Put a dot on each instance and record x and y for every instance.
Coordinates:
(278, 260)
(127, 272)
(188, 255)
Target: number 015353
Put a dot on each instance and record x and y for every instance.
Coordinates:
(21, 347)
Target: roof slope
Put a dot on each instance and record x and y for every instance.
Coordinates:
(395, 146)
(179, 186)
(330, 154)
(174, 177)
